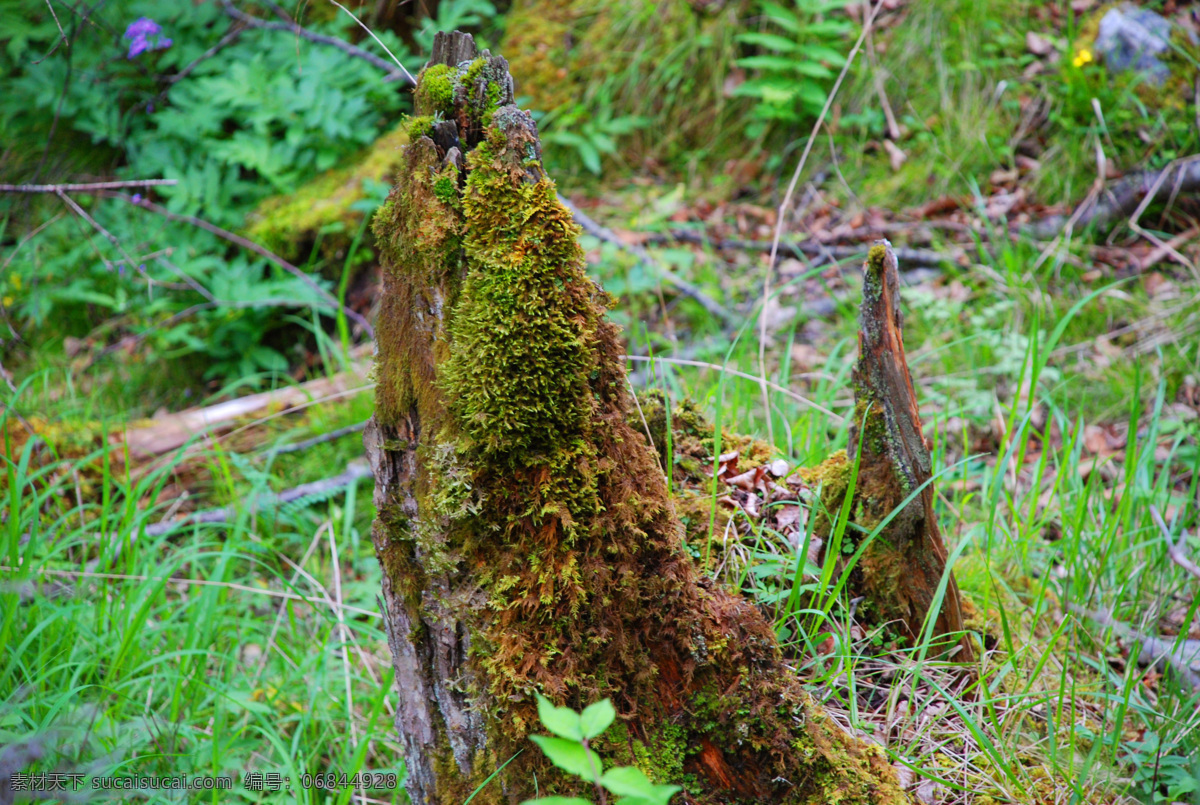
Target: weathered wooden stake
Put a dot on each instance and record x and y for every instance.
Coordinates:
(903, 567)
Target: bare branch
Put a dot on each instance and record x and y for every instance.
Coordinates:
(1126, 195)
(1176, 550)
(262, 251)
(224, 42)
(321, 439)
(86, 187)
(683, 286)
(787, 200)
(922, 257)
(785, 391)
(392, 74)
(1185, 658)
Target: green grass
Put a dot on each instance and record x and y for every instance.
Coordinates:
(214, 651)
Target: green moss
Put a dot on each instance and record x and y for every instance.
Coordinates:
(436, 89)
(832, 478)
(419, 126)
(531, 479)
(324, 207)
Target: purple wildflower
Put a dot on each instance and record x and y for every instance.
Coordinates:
(137, 198)
(145, 34)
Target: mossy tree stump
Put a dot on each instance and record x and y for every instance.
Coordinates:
(526, 536)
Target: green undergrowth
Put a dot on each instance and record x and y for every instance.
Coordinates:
(218, 650)
(971, 99)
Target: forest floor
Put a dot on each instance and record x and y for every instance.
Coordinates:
(1056, 366)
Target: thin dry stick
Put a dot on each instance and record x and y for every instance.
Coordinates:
(321, 439)
(250, 245)
(87, 574)
(322, 39)
(221, 44)
(86, 187)
(319, 587)
(379, 41)
(341, 624)
(354, 471)
(30, 237)
(781, 214)
(262, 663)
(134, 264)
(798, 398)
(214, 438)
(1176, 550)
(683, 286)
(1141, 208)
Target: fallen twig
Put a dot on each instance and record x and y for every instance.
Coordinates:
(1125, 195)
(85, 187)
(355, 471)
(225, 41)
(392, 73)
(1185, 659)
(174, 430)
(1176, 550)
(87, 574)
(785, 391)
(781, 214)
(683, 286)
(924, 257)
(321, 439)
(262, 251)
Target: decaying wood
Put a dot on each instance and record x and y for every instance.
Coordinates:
(527, 539)
(1124, 196)
(157, 436)
(903, 567)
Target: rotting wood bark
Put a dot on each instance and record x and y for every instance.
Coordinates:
(902, 568)
(524, 529)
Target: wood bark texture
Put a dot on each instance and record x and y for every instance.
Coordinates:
(524, 528)
(903, 567)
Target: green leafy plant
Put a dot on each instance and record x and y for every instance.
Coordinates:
(590, 134)
(568, 749)
(795, 62)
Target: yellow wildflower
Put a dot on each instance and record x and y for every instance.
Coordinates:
(7, 301)
(16, 281)
(1082, 57)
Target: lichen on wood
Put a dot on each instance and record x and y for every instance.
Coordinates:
(524, 528)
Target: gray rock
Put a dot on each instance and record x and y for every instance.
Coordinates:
(1133, 38)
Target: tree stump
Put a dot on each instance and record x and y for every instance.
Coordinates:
(903, 567)
(524, 529)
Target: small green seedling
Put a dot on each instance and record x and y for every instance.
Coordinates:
(571, 753)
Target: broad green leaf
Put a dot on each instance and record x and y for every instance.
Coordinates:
(570, 756)
(596, 718)
(562, 721)
(780, 44)
(812, 69)
(590, 156)
(632, 783)
(781, 64)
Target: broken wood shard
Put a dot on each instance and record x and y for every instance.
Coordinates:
(902, 568)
